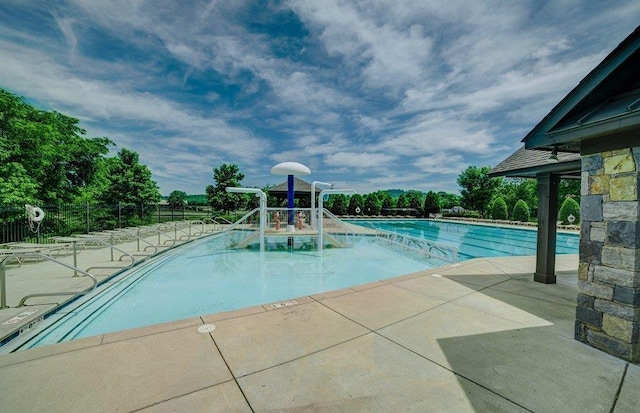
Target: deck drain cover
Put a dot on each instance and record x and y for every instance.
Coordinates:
(207, 328)
(284, 304)
(436, 275)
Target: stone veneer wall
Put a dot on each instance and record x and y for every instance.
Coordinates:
(608, 307)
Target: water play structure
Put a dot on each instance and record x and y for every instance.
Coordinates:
(262, 225)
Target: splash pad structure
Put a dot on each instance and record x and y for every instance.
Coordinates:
(315, 234)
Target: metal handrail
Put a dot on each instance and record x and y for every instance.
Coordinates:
(3, 282)
(419, 245)
(113, 247)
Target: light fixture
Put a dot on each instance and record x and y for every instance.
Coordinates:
(554, 155)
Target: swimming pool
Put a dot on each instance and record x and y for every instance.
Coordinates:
(204, 278)
(475, 241)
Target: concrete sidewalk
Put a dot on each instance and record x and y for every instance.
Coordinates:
(475, 336)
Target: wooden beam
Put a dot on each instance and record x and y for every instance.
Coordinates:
(547, 217)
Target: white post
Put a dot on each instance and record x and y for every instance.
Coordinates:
(321, 209)
(314, 213)
(263, 207)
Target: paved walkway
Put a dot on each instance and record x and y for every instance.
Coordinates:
(476, 336)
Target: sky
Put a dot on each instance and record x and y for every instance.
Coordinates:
(380, 94)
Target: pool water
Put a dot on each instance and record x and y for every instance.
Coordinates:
(475, 241)
(205, 278)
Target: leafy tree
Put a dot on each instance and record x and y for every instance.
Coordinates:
(372, 204)
(227, 175)
(44, 154)
(129, 181)
(402, 201)
(569, 207)
(431, 203)
(415, 200)
(499, 209)
(356, 205)
(177, 199)
(478, 188)
(448, 201)
(513, 189)
(387, 202)
(339, 204)
(569, 188)
(521, 211)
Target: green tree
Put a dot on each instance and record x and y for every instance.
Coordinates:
(521, 211)
(372, 204)
(129, 181)
(339, 205)
(569, 207)
(513, 189)
(227, 175)
(387, 202)
(44, 154)
(356, 205)
(499, 209)
(415, 200)
(431, 203)
(448, 201)
(477, 188)
(177, 199)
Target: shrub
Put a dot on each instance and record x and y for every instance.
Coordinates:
(463, 214)
(499, 209)
(521, 211)
(569, 207)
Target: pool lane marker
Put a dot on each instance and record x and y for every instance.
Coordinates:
(207, 328)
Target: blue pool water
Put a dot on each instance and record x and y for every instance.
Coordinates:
(204, 278)
(474, 241)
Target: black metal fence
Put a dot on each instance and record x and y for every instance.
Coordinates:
(68, 219)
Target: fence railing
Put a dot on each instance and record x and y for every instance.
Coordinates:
(67, 219)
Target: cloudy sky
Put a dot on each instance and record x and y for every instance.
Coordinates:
(370, 95)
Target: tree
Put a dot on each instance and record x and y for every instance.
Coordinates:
(431, 204)
(513, 189)
(227, 175)
(448, 201)
(177, 199)
(356, 204)
(339, 205)
(569, 207)
(521, 211)
(499, 209)
(44, 155)
(372, 204)
(478, 188)
(387, 202)
(129, 181)
(415, 201)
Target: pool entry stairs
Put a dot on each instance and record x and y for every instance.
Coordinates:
(245, 233)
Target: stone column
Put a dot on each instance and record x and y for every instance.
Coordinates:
(608, 307)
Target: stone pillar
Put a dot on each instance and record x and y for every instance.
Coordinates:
(547, 217)
(608, 307)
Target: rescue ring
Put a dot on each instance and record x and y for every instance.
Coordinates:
(36, 214)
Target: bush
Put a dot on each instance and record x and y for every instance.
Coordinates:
(463, 214)
(569, 207)
(499, 209)
(521, 211)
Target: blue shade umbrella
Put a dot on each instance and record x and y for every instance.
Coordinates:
(290, 169)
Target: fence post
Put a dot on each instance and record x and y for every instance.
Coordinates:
(119, 215)
(87, 217)
(141, 214)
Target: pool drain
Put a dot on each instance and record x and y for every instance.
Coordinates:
(207, 328)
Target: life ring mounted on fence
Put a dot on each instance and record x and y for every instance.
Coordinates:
(36, 214)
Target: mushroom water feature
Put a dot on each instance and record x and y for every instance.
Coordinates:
(290, 169)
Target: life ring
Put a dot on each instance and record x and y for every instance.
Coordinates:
(36, 214)
(357, 210)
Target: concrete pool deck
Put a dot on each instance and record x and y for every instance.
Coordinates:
(475, 336)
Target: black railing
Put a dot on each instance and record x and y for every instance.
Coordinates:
(67, 219)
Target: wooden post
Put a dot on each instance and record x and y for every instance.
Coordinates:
(547, 217)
